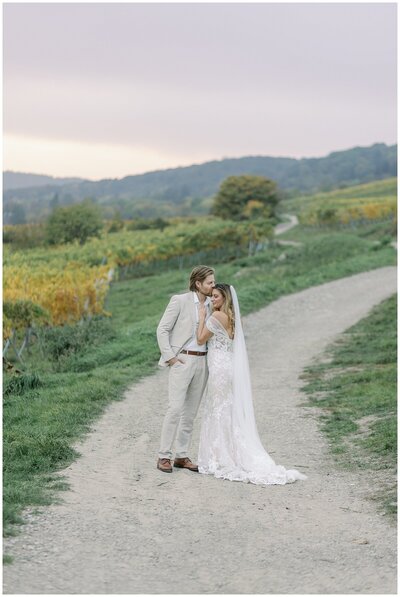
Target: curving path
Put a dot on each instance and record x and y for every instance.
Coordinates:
(283, 227)
(125, 527)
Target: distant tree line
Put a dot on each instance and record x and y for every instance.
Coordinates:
(77, 222)
(239, 198)
(189, 190)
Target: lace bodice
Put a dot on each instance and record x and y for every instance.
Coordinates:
(220, 339)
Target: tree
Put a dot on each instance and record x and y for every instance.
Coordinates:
(255, 209)
(17, 214)
(246, 197)
(55, 202)
(75, 222)
(327, 215)
(117, 223)
(160, 224)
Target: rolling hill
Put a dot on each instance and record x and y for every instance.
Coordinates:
(188, 190)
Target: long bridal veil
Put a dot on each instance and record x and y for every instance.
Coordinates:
(250, 452)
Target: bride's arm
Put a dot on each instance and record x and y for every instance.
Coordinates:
(203, 333)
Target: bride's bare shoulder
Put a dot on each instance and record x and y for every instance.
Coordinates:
(221, 317)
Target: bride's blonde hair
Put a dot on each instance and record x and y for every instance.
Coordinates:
(227, 306)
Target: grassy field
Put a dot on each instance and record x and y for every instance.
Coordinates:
(379, 190)
(350, 207)
(382, 231)
(84, 367)
(357, 394)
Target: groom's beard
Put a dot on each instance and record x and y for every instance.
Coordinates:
(205, 293)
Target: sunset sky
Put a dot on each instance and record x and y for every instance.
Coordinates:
(106, 90)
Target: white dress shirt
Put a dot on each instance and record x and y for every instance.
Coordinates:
(193, 343)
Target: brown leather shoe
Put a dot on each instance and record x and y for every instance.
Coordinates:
(164, 465)
(186, 463)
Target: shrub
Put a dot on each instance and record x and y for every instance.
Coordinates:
(75, 222)
(61, 342)
(18, 384)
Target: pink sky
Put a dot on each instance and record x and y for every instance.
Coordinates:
(107, 90)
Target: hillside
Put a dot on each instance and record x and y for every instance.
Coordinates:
(22, 180)
(371, 192)
(187, 190)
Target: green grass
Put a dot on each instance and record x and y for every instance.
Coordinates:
(379, 190)
(382, 232)
(357, 394)
(84, 369)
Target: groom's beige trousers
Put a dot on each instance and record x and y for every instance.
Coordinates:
(187, 382)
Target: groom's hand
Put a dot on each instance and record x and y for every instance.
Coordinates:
(173, 361)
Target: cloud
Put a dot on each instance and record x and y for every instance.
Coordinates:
(184, 81)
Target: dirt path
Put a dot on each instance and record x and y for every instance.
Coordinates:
(127, 528)
(291, 222)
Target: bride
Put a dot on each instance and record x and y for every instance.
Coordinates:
(230, 447)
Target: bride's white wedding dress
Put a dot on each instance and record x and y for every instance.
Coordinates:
(230, 447)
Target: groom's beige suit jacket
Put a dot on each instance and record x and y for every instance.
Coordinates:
(176, 327)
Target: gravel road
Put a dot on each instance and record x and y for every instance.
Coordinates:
(125, 527)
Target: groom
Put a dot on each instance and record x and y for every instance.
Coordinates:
(176, 335)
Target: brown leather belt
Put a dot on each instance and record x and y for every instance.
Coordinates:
(196, 353)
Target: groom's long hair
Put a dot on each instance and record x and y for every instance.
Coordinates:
(227, 306)
(199, 274)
